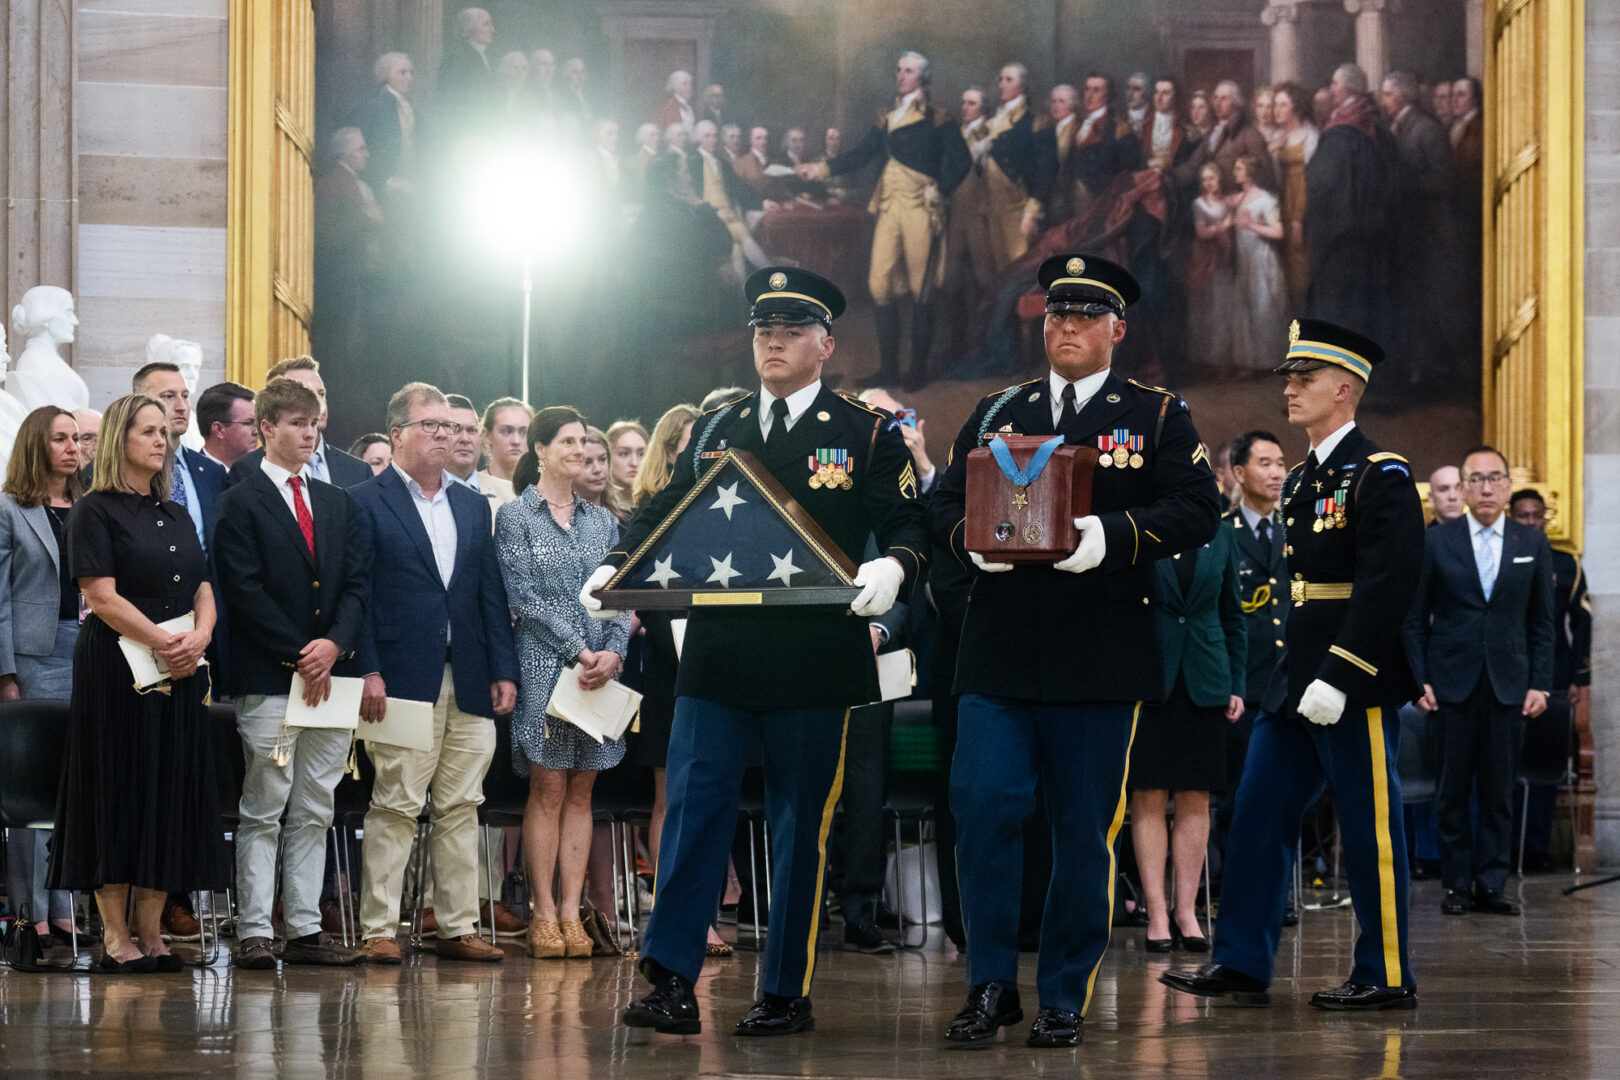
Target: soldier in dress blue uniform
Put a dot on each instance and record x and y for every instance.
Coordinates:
(782, 679)
(1354, 545)
(1056, 660)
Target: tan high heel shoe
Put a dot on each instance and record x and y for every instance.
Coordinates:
(545, 941)
(578, 941)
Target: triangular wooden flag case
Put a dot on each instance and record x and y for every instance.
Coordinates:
(736, 539)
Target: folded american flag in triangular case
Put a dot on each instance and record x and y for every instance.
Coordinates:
(737, 538)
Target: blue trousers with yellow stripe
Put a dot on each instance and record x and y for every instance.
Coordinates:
(1290, 759)
(1080, 752)
(709, 745)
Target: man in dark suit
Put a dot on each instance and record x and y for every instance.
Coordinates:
(468, 88)
(783, 679)
(1259, 467)
(437, 630)
(290, 570)
(1055, 661)
(1480, 640)
(388, 120)
(1332, 712)
(197, 481)
(327, 463)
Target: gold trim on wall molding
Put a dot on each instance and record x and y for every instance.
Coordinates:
(1533, 358)
(269, 248)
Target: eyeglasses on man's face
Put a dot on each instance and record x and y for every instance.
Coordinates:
(1494, 479)
(433, 427)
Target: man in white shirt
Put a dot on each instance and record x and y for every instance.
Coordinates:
(225, 417)
(465, 449)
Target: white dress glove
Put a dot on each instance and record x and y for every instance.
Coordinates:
(989, 567)
(593, 607)
(1092, 547)
(1321, 703)
(880, 580)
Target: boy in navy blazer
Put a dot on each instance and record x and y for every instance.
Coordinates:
(289, 566)
(1480, 641)
(437, 629)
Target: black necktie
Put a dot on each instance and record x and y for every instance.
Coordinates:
(1066, 417)
(1311, 464)
(778, 433)
(1263, 531)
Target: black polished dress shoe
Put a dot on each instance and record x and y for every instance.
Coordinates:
(1054, 1027)
(1159, 945)
(671, 1009)
(1494, 903)
(777, 1017)
(1456, 903)
(1357, 997)
(168, 964)
(1199, 944)
(1218, 980)
(990, 1006)
(141, 965)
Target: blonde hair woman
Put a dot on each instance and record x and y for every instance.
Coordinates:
(627, 447)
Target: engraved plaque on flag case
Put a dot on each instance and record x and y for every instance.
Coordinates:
(736, 539)
(1033, 522)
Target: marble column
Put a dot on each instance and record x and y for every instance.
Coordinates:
(39, 174)
(1282, 17)
(1474, 29)
(1372, 47)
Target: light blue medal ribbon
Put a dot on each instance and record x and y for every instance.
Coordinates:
(1032, 472)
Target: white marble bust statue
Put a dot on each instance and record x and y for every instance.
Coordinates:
(45, 321)
(188, 357)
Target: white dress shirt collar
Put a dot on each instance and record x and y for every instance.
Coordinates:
(901, 106)
(279, 476)
(797, 403)
(1324, 449)
(1475, 527)
(1091, 121)
(1084, 390)
(1008, 106)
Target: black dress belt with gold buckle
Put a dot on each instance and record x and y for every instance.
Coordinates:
(1300, 590)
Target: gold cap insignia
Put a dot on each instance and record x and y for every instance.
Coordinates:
(779, 282)
(1075, 267)
(1113, 399)
(1293, 333)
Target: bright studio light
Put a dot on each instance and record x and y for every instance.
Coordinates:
(528, 202)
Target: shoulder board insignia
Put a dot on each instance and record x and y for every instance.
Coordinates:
(724, 405)
(1296, 466)
(861, 405)
(1385, 456)
(1155, 389)
(994, 394)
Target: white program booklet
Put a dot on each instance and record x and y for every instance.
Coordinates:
(341, 710)
(897, 674)
(602, 714)
(147, 666)
(406, 724)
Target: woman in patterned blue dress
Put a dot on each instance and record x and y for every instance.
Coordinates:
(548, 541)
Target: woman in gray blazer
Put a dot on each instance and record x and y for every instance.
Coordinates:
(39, 617)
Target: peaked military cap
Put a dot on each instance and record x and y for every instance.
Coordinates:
(1080, 283)
(789, 296)
(1314, 343)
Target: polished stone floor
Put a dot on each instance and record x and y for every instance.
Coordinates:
(1531, 997)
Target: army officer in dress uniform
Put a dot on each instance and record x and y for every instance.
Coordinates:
(783, 679)
(1056, 660)
(1354, 549)
(924, 158)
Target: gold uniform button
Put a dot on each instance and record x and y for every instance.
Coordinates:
(1276, 622)
(314, 584)
(1274, 581)
(1279, 643)
(1290, 521)
(317, 611)
(1144, 599)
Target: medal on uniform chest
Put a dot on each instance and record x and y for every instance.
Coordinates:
(830, 469)
(1324, 515)
(1105, 448)
(1127, 449)
(1339, 517)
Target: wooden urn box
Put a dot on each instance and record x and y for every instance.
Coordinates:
(1023, 497)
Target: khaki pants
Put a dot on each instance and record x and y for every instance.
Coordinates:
(452, 771)
(1004, 203)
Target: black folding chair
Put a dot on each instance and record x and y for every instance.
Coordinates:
(33, 742)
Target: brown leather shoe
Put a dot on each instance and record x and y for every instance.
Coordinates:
(180, 924)
(325, 951)
(255, 954)
(380, 950)
(469, 947)
(506, 923)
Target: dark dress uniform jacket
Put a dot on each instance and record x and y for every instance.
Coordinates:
(1202, 629)
(1039, 634)
(1454, 635)
(933, 147)
(797, 657)
(279, 596)
(1263, 593)
(1572, 639)
(1352, 645)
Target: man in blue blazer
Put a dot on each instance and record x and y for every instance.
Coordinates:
(1480, 641)
(437, 629)
(197, 481)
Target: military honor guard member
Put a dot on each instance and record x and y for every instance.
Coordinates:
(924, 159)
(1057, 659)
(782, 679)
(1354, 548)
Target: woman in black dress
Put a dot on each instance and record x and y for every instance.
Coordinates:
(1180, 746)
(138, 807)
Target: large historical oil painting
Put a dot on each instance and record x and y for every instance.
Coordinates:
(629, 161)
